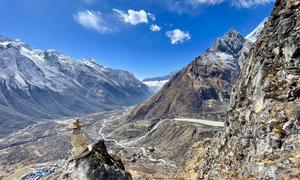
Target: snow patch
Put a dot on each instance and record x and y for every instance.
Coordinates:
(155, 85)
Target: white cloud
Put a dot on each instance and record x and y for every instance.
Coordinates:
(250, 3)
(92, 20)
(135, 17)
(178, 36)
(155, 28)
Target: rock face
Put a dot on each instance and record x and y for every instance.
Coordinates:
(261, 140)
(96, 165)
(200, 89)
(37, 84)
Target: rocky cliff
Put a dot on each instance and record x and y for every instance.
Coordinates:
(261, 140)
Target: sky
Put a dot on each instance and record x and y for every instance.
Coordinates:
(146, 37)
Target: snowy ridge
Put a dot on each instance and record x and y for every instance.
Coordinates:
(48, 69)
(49, 84)
(252, 37)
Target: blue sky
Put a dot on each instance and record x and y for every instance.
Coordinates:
(145, 37)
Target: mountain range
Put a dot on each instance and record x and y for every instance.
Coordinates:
(45, 84)
(202, 88)
(232, 113)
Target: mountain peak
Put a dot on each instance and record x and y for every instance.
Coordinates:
(231, 43)
(232, 33)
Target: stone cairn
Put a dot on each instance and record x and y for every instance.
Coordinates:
(79, 141)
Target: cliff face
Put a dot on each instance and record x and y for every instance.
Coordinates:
(261, 139)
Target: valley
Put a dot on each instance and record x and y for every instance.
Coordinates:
(145, 154)
(231, 113)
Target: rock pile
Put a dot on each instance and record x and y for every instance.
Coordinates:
(79, 141)
(94, 164)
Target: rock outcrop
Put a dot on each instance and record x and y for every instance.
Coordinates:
(261, 140)
(96, 165)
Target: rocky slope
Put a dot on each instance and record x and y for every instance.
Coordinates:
(37, 84)
(203, 87)
(261, 140)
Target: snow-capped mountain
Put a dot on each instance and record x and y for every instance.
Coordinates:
(252, 37)
(156, 83)
(48, 84)
(203, 87)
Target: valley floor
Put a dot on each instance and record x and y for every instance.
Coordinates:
(164, 148)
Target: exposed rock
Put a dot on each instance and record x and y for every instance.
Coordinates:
(151, 149)
(96, 165)
(262, 133)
